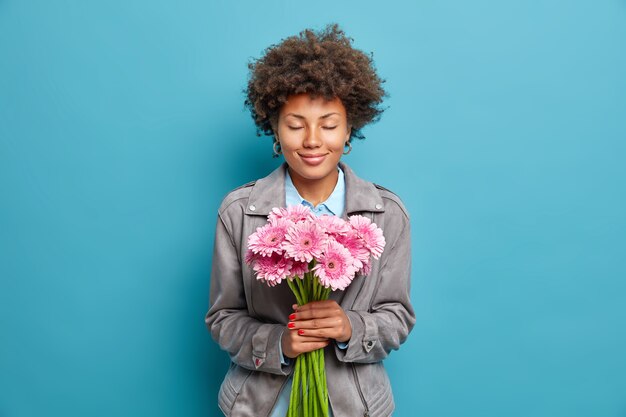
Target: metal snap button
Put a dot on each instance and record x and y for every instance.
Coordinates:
(379, 206)
(252, 207)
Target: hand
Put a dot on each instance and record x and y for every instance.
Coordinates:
(294, 344)
(321, 319)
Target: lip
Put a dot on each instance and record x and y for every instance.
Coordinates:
(313, 159)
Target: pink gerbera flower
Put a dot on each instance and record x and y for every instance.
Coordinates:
(371, 234)
(366, 269)
(356, 247)
(298, 269)
(272, 269)
(333, 225)
(335, 268)
(304, 241)
(294, 214)
(250, 257)
(269, 238)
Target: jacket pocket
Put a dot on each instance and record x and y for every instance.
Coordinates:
(231, 387)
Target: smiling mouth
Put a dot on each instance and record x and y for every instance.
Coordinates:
(315, 159)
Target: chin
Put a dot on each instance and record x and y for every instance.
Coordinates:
(313, 173)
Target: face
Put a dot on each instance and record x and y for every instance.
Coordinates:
(312, 133)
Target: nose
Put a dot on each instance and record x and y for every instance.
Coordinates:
(311, 139)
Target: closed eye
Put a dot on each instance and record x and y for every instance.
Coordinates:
(328, 127)
(295, 127)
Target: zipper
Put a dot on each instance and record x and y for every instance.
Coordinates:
(358, 387)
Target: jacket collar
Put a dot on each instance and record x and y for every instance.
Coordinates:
(269, 192)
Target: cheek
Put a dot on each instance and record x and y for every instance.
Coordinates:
(334, 139)
(337, 143)
(289, 140)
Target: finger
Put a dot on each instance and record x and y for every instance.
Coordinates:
(316, 305)
(317, 342)
(295, 337)
(316, 323)
(308, 339)
(304, 344)
(308, 347)
(321, 311)
(329, 333)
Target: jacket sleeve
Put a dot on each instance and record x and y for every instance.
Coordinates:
(249, 342)
(390, 318)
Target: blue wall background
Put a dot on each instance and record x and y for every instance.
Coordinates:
(122, 126)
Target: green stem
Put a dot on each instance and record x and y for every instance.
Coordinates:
(309, 397)
(324, 386)
(315, 290)
(317, 376)
(305, 390)
(315, 399)
(312, 287)
(307, 287)
(324, 391)
(295, 389)
(294, 290)
(303, 294)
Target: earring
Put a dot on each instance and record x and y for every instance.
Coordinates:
(277, 148)
(349, 145)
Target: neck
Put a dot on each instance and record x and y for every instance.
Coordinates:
(314, 191)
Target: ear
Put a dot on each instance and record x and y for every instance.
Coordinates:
(349, 133)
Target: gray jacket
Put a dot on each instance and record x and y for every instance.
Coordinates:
(247, 318)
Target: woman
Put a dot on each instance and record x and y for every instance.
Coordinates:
(313, 93)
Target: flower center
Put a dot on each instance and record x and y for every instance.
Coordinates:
(331, 265)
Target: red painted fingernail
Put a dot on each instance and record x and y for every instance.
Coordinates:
(291, 325)
(292, 316)
(300, 332)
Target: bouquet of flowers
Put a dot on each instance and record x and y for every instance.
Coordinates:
(314, 255)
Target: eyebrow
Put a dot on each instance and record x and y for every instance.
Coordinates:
(302, 117)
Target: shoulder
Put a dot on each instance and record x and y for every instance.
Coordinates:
(236, 197)
(374, 195)
(392, 201)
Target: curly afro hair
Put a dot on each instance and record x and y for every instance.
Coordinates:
(320, 63)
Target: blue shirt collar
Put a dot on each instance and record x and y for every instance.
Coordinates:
(334, 205)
